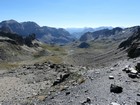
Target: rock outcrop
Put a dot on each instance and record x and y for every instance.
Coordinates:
(17, 39)
(132, 44)
(84, 45)
(115, 88)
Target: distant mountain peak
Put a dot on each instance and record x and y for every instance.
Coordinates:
(78, 32)
(11, 21)
(31, 23)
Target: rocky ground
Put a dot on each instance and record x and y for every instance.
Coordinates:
(61, 84)
(36, 82)
(96, 89)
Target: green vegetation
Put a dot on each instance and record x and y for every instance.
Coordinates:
(51, 53)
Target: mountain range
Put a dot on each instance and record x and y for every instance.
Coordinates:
(62, 36)
(44, 33)
(111, 34)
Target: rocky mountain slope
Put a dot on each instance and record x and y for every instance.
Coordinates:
(110, 34)
(45, 34)
(13, 47)
(131, 45)
(17, 50)
(100, 34)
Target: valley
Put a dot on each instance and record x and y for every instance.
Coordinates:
(99, 68)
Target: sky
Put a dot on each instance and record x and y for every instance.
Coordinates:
(73, 13)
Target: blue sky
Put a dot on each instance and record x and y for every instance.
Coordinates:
(73, 13)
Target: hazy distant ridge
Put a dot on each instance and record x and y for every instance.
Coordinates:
(78, 32)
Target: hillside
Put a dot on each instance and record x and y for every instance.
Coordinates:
(131, 45)
(16, 50)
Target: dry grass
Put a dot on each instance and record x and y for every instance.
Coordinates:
(52, 48)
(8, 66)
(55, 54)
(54, 59)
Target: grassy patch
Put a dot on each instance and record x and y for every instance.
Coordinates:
(52, 48)
(51, 53)
(8, 66)
(54, 59)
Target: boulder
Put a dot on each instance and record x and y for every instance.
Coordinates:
(62, 78)
(111, 69)
(138, 102)
(115, 88)
(84, 45)
(138, 67)
(111, 77)
(42, 98)
(126, 69)
(138, 75)
(138, 94)
(114, 103)
(132, 75)
(52, 66)
(88, 101)
(67, 93)
(132, 70)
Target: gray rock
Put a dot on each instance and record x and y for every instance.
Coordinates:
(111, 77)
(67, 93)
(114, 103)
(111, 69)
(115, 88)
(88, 101)
(132, 70)
(52, 66)
(138, 67)
(138, 102)
(62, 78)
(132, 75)
(138, 94)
